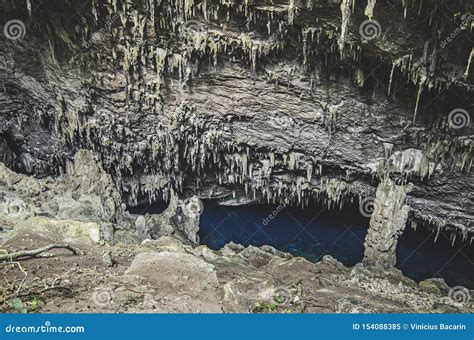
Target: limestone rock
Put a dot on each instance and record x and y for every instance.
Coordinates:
(245, 112)
(61, 230)
(183, 277)
(387, 222)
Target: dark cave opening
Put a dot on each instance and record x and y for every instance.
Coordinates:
(144, 206)
(9, 152)
(311, 233)
(420, 257)
(315, 231)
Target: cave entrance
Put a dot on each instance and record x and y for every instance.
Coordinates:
(315, 232)
(145, 207)
(310, 233)
(419, 257)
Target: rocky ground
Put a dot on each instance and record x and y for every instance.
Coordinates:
(118, 269)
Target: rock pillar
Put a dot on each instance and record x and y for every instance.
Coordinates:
(181, 219)
(387, 222)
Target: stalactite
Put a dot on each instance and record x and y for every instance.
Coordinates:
(258, 173)
(28, 7)
(369, 9)
(291, 11)
(466, 73)
(394, 64)
(359, 77)
(94, 10)
(345, 20)
(418, 95)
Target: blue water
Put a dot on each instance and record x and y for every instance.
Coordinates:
(311, 233)
(315, 232)
(419, 257)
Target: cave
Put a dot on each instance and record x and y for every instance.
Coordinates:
(193, 138)
(310, 233)
(316, 232)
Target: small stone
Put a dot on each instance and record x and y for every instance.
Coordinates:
(107, 259)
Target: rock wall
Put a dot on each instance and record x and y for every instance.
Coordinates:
(85, 197)
(243, 101)
(85, 203)
(180, 218)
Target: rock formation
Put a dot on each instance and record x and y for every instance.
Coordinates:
(244, 101)
(116, 271)
(86, 197)
(387, 222)
(167, 276)
(106, 104)
(181, 219)
(85, 194)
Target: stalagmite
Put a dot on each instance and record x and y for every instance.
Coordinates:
(388, 220)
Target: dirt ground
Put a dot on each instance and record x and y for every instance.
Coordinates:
(166, 275)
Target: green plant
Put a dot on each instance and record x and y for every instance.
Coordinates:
(34, 304)
(25, 307)
(18, 306)
(265, 307)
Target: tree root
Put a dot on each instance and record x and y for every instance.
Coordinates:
(34, 253)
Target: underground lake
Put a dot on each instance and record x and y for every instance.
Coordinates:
(316, 231)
